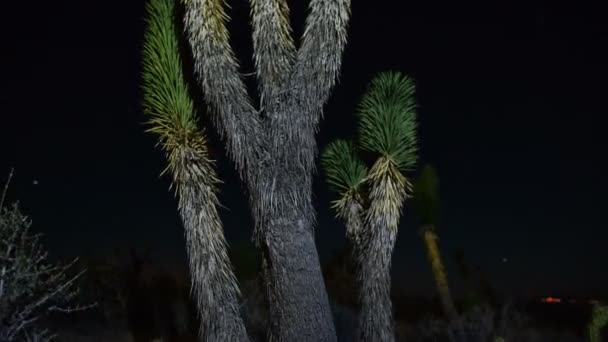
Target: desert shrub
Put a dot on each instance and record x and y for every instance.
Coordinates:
(479, 324)
(598, 323)
(30, 286)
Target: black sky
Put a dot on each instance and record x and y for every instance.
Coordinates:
(512, 106)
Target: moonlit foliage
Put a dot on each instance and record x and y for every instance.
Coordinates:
(344, 170)
(387, 119)
(346, 174)
(170, 108)
(387, 127)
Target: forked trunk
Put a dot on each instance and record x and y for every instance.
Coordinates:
(441, 281)
(294, 85)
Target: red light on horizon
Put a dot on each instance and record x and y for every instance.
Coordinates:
(551, 300)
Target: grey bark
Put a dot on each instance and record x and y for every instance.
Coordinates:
(296, 282)
(214, 283)
(374, 264)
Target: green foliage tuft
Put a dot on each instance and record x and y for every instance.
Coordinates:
(426, 195)
(387, 122)
(345, 171)
(166, 98)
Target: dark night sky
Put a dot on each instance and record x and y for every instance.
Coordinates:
(512, 102)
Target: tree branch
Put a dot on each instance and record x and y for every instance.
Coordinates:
(274, 49)
(238, 122)
(10, 176)
(319, 59)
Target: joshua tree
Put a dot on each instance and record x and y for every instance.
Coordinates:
(274, 147)
(172, 118)
(426, 202)
(387, 128)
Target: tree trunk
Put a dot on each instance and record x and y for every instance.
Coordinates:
(299, 305)
(441, 281)
(274, 148)
(214, 284)
(376, 316)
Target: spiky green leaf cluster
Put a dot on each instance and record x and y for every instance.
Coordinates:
(345, 171)
(346, 174)
(426, 195)
(165, 93)
(387, 119)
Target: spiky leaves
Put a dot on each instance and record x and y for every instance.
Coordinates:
(345, 171)
(166, 99)
(346, 175)
(387, 127)
(387, 119)
(167, 103)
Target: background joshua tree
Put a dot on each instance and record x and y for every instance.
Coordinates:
(387, 128)
(167, 102)
(426, 202)
(274, 147)
(598, 322)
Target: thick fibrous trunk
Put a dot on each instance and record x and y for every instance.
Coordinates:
(374, 267)
(213, 281)
(299, 309)
(441, 281)
(297, 282)
(387, 193)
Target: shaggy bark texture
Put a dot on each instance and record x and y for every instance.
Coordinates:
(172, 118)
(213, 282)
(274, 147)
(441, 279)
(387, 194)
(376, 316)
